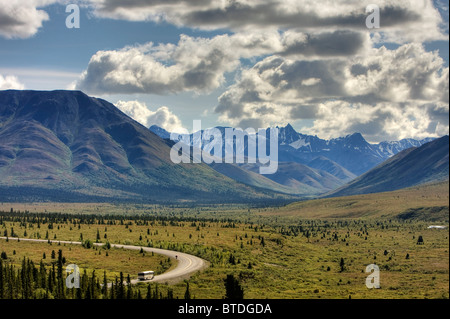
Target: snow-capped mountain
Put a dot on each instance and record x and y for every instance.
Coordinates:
(351, 152)
(392, 148)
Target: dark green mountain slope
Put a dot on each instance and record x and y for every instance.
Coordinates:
(414, 166)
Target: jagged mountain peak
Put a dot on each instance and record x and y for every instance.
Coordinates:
(352, 152)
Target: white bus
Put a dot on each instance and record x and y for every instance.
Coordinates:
(146, 275)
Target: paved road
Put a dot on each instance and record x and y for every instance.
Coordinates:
(187, 264)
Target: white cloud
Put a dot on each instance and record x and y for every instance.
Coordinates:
(384, 121)
(200, 64)
(402, 92)
(22, 18)
(401, 21)
(10, 82)
(43, 79)
(162, 117)
(318, 62)
(194, 64)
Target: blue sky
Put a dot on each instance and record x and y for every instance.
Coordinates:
(55, 56)
(223, 63)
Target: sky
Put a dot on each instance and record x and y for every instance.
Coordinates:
(242, 63)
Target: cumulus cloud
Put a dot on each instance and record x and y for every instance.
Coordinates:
(300, 30)
(317, 61)
(381, 122)
(10, 82)
(22, 18)
(401, 21)
(194, 64)
(200, 64)
(406, 20)
(338, 43)
(402, 92)
(162, 117)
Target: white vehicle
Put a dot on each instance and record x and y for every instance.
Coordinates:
(146, 275)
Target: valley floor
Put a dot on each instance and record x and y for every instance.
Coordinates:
(280, 253)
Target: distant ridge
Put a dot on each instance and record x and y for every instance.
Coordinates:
(352, 152)
(414, 166)
(331, 167)
(309, 165)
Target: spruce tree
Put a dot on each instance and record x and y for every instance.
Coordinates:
(61, 281)
(121, 288)
(129, 288)
(2, 282)
(187, 294)
(233, 289)
(105, 286)
(342, 264)
(149, 292)
(420, 241)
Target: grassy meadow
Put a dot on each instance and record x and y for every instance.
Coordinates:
(314, 249)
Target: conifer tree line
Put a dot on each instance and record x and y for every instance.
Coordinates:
(306, 228)
(99, 219)
(31, 281)
(41, 282)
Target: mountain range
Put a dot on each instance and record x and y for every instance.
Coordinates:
(352, 152)
(309, 165)
(65, 145)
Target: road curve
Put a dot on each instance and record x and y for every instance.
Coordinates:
(187, 264)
